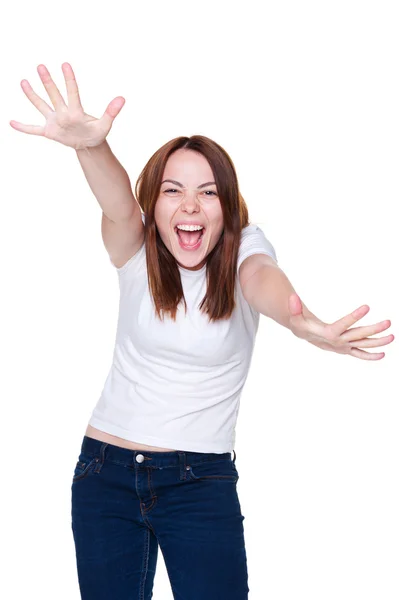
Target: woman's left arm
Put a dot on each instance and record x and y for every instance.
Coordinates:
(268, 290)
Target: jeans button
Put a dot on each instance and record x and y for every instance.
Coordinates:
(139, 458)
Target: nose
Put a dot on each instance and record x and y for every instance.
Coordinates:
(190, 202)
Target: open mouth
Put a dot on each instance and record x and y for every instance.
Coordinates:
(190, 240)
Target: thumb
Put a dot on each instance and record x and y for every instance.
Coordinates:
(295, 307)
(112, 110)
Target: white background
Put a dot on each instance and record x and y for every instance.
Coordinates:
(304, 97)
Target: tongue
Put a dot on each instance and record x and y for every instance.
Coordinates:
(189, 238)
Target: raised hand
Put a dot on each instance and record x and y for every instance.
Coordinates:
(339, 336)
(68, 123)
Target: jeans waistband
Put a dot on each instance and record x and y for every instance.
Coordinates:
(103, 450)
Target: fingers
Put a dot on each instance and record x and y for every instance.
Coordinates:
(54, 94)
(38, 102)
(51, 88)
(366, 355)
(365, 331)
(74, 102)
(374, 342)
(31, 129)
(343, 324)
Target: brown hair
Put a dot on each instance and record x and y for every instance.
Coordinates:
(163, 272)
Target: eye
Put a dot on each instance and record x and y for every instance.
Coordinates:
(173, 190)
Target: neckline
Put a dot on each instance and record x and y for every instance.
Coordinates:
(190, 273)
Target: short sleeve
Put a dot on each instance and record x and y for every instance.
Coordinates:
(254, 241)
(136, 261)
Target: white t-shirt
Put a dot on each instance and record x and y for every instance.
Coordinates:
(178, 384)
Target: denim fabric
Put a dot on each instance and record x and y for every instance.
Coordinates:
(126, 503)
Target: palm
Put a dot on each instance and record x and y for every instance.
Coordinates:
(68, 123)
(78, 130)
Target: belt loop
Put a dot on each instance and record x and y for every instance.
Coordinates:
(234, 459)
(100, 461)
(182, 462)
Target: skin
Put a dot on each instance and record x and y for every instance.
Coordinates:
(188, 203)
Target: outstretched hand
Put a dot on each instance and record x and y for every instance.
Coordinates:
(337, 336)
(68, 123)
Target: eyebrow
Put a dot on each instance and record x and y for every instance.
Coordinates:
(181, 185)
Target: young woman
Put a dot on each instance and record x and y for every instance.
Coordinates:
(157, 462)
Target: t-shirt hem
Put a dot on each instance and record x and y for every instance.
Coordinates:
(149, 440)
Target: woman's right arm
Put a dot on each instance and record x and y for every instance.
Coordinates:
(122, 225)
(108, 181)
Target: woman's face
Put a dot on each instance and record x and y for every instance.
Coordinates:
(189, 197)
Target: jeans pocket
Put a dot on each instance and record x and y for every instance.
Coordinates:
(84, 466)
(223, 470)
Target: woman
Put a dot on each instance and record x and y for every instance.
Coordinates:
(157, 462)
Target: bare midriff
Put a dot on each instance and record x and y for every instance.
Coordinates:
(117, 441)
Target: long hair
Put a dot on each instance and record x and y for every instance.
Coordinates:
(163, 272)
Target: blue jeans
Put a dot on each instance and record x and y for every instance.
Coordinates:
(127, 502)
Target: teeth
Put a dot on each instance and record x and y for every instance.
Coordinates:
(190, 227)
